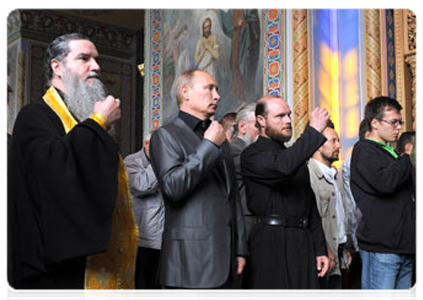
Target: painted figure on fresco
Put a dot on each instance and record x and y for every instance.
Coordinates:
(176, 57)
(242, 26)
(207, 51)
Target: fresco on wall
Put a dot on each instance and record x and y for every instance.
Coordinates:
(225, 43)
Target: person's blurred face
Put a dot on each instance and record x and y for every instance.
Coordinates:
(79, 78)
(330, 149)
(207, 28)
(81, 60)
(147, 147)
(201, 97)
(277, 124)
(389, 127)
(251, 131)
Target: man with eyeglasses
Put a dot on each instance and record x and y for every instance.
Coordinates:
(381, 183)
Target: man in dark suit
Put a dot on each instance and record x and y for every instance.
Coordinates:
(246, 132)
(204, 241)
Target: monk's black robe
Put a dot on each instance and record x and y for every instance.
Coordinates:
(277, 183)
(62, 191)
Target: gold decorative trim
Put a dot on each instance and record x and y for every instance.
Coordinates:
(405, 55)
(300, 62)
(399, 54)
(372, 53)
(114, 269)
(411, 61)
(410, 27)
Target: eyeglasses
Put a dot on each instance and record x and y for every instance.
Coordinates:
(393, 122)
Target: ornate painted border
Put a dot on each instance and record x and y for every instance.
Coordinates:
(273, 29)
(153, 109)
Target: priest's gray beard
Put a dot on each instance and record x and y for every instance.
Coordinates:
(80, 95)
(248, 139)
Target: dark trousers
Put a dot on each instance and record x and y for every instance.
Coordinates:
(147, 267)
(225, 292)
(243, 281)
(352, 278)
(333, 282)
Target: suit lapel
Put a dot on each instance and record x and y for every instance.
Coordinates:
(224, 166)
(221, 169)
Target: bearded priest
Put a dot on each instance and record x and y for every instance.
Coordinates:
(70, 218)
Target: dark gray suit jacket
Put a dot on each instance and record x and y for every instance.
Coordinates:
(204, 227)
(237, 146)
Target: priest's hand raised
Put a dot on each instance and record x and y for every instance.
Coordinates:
(109, 108)
(319, 118)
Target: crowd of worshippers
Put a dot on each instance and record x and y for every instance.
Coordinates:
(204, 204)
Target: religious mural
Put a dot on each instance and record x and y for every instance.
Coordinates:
(225, 43)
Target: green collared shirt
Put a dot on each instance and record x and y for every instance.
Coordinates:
(386, 147)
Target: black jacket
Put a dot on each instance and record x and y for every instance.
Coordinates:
(382, 187)
(62, 191)
(277, 182)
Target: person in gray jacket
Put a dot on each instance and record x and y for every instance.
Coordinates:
(332, 207)
(149, 213)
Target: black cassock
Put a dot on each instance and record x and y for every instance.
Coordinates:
(62, 191)
(277, 183)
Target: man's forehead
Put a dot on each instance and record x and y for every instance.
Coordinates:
(82, 46)
(330, 133)
(392, 110)
(279, 104)
(205, 78)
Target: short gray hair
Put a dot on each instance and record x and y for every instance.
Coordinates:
(185, 78)
(243, 113)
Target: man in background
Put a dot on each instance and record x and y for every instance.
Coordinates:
(228, 122)
(246, 133)
(405, 144)
(149, 213)
(332, 207)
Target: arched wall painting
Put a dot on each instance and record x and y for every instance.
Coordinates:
(229, 44)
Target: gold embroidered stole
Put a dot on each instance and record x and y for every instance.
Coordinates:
(115, 268)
